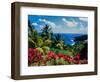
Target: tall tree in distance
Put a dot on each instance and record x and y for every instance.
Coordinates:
(46, 32)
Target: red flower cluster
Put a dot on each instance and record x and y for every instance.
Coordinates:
(34, 55)
(65, 57)
(75, 59)
(52, 55)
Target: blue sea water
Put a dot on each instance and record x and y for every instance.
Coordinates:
(68, 37)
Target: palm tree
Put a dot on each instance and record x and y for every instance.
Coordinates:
(46, 32)
(57, 41)
(46, 35)
(34, 39)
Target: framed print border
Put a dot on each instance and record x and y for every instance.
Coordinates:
(15, 40)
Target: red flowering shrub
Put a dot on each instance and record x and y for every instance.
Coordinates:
(56, 56)
(76, 59)
(68, 58)
(30, 55)
(50, 55)
(34, 55)
(60, 55)
(65, 57)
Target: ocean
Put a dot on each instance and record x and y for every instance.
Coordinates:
(68, 37)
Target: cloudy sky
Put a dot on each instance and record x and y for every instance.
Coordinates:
(60, 24)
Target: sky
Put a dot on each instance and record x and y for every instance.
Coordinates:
(60, 24)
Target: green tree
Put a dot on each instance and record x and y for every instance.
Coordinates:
(58, 41)
(77, 47)
(46, 35)
(34, 39)
(46, 32)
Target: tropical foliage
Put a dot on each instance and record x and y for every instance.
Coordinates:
(45, 48)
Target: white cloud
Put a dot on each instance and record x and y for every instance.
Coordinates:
(53, 25)
(82, 28)
(34, 24)
(42, 20)
(70, 23)
(41, 26)
(83, 19)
